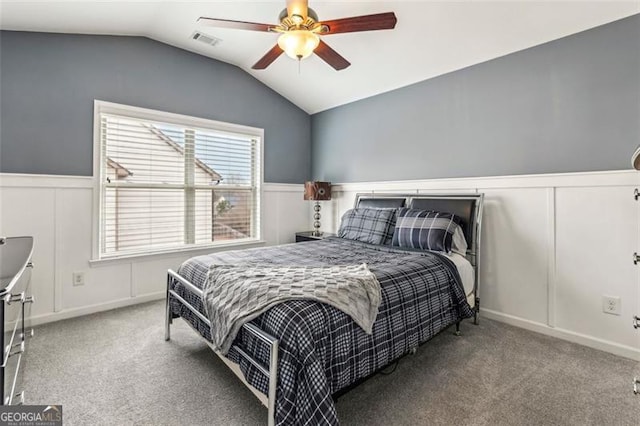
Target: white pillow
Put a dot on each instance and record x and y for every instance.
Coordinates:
(459, 243)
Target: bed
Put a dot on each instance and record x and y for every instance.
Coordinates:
(300, 353)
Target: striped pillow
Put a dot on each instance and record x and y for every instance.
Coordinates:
(374, 226)
(425, 230)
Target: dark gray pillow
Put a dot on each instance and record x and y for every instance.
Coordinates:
(425, 230)
(373, 226)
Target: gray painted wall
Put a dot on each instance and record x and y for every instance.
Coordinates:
(566, 106)
(48, 83)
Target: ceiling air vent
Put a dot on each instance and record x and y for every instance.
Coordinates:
(204, 38)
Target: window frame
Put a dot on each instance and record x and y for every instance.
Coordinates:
(103, 107)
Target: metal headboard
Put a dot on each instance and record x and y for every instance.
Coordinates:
(467, 206)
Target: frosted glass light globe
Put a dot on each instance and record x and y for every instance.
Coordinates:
(298, 44)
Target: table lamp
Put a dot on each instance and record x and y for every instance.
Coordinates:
(317, 191)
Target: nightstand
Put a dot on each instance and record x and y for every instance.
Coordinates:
(308, 236)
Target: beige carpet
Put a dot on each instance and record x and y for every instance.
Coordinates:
(115, 368)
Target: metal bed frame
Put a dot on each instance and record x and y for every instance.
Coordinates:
(473, 216)
(272, 342)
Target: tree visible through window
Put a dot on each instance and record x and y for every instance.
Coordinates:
(166, 185)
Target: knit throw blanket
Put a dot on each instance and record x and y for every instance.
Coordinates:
(236, 294)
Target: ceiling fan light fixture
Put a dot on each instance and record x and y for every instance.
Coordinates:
(299, 28)
(298, 44)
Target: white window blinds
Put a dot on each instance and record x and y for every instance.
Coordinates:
(170, 186)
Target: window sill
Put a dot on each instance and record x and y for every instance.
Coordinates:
(191, 251)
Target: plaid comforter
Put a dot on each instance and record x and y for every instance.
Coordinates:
(322, 350)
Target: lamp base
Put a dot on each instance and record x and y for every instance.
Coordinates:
(316, 222)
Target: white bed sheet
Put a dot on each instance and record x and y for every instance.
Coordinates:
(467, 275)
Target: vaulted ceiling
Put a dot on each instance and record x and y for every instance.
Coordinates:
(431, 38)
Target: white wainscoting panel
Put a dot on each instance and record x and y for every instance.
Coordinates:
(57, 211)
(595, 242)
(517, 284)
(73, 252)
(149, 277)
(285, 213)
(552, 246)
(29, 211)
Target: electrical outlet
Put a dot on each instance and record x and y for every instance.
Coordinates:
(611, 305)
(78, 278)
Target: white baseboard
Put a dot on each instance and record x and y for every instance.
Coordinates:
(92, 309)
(581, 339)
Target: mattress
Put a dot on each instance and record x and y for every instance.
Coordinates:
(467, 275)
(422, 294)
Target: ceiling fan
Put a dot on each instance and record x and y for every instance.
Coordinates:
(300, 28)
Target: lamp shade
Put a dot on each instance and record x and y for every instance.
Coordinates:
(298, 44)
(635, 160)
(318, 191)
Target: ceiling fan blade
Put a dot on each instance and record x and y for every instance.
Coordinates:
(237, 25)
(298, 7)
(331, 57)
(268, 58)
(379, 21)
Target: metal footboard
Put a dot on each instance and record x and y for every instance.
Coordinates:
(272, 342)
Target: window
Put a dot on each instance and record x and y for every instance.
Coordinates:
(169, 182)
